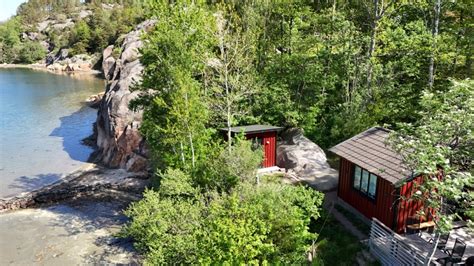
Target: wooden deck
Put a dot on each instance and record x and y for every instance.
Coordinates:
(462, 232)
(394, 249)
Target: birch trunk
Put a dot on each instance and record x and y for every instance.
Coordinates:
(371, 49)
(437, 9)
(226, 85)
(182, 152)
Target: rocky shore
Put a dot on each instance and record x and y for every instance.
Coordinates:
(43, 67)
(72, 222)
(78, 231)
(88, 180)
(116, 136)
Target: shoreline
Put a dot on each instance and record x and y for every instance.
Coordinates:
(90, 178)
(43, 67)
(25, 199)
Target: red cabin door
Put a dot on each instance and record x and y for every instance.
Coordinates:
(269, 149)
(268, 143)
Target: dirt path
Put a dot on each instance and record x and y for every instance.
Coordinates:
(330, 199)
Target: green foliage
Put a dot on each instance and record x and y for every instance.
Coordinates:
(34, 11)
(166, 229)
(252, 224)
(80, 37)
(335, 245)
(88, 35)
(223, 169)
(10, 40)
(31, 52)
(258, 224)
(176, 113)
(175, 183)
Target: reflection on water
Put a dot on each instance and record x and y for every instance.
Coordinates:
(42, 122)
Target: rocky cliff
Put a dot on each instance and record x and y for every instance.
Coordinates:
(119, 142)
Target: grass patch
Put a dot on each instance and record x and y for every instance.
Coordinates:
(335, 244)
(354, 219)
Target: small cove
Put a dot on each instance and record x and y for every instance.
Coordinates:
(43, 119)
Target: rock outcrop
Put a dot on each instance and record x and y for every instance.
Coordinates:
(77, 63)
(91, 179)
(94, 100)
(306, 161)
(119, 142)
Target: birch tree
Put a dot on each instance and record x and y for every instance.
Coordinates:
(440, 147)
(233, 82)
(437, 10)
(176, 111)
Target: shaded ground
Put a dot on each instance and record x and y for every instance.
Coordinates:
(74, 222)
(78, 231)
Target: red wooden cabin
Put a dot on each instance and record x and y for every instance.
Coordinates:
(263, 135)
(373, 179)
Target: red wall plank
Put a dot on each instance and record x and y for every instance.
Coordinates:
(269, 147)
(382, 208)
(406, 206)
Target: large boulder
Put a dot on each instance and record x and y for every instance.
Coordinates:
(84, 14)
(305, 160)
(43, 25)
(118, 139)
(61, 26)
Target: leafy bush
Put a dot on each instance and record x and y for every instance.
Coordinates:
(251, 224)
(10, 40)
(31, 52)
(79, 38)
(223, 169)
(166, 229)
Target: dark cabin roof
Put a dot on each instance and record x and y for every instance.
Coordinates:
(252, 129)
(370, 151)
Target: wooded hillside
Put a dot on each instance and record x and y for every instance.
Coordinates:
(44, 27)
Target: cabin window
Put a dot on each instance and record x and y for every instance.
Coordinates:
(365, 182)
(257, 143)
(357, 174)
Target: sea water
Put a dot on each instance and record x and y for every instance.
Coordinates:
(43, 119)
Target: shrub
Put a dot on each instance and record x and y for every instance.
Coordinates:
(79, 38)
(31, 52)
(251, 224)
(222, 169)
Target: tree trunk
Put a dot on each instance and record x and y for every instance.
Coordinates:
(437, 8)
(182, 152)
(435, 246)
(371, 49)
(229, 124)
(227, 91)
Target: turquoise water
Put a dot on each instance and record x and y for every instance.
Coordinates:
(43, 119)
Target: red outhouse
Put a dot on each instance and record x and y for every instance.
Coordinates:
(263, 135)
(374, 180)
